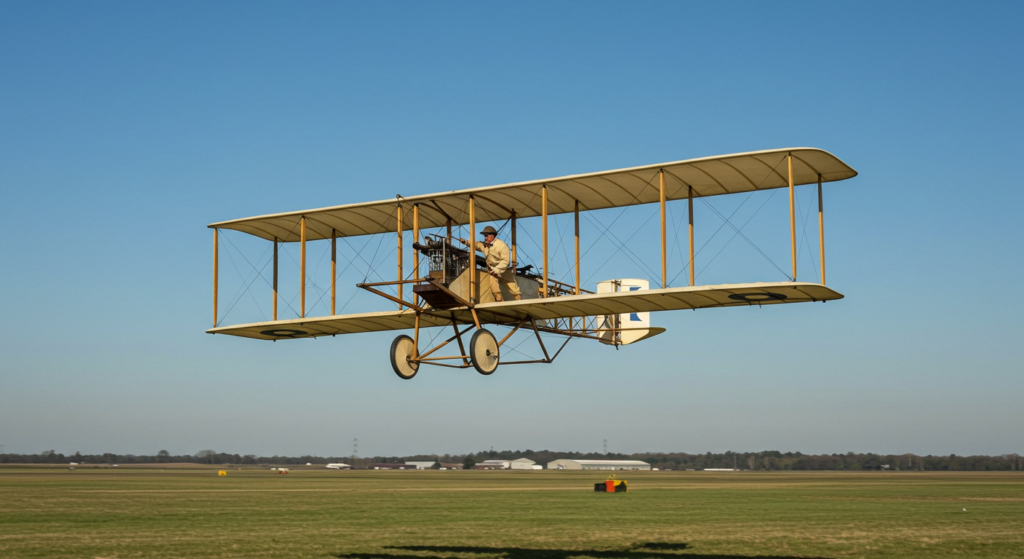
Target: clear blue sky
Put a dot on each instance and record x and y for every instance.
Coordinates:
(125, 128)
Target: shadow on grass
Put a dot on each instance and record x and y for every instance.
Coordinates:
(649, 550)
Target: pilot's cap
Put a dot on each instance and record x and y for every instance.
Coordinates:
(488, 231)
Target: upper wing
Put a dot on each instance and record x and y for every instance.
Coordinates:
(673, 298)
(709, 176)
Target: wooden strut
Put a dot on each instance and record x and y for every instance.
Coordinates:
(449, 292)
(427, 359)
(540, 341)
(334, 270)
(379, 283)
(275, 278)
(792, 215)
(394, 299)
(415, 253)
(370, 287)
(513, 331)
(544, 227)
(400, 297)
(515, 259)
(302, 267)
(577, 212)
(216, 272)
(472, 255)
(821, 231)
(690, 208)
(664, 245)
(457, 336)
(462, 348)
(416, 337)
(547, 358)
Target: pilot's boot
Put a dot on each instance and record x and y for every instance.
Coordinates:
(497, 298)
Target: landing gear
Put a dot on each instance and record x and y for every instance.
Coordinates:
(402, 349)
(483, 350)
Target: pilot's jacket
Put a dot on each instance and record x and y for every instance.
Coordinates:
(497, 255)
(498, 261)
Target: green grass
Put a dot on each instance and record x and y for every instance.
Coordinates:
(192, 512)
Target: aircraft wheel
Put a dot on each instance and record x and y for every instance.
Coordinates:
(401, 350)
(483, 349)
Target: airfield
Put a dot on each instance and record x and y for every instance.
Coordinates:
(188, 510)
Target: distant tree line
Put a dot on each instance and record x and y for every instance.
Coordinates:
(764, 460)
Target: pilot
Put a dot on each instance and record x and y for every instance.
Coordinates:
(497, 255)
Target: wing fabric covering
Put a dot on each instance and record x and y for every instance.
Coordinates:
(708, 176)
(510, 312)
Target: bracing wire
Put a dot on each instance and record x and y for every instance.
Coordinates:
(739, 233)
(622, 247)
(805, 217)
(246, 282)
(715, 234)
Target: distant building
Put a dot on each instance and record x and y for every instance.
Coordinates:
(565, 464)
(524, 464)
(720, 470)
(422, 464)
(339, 466)
(495, 464)
(384, 466)
(450, 466)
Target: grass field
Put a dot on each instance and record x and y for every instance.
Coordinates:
(193, 512)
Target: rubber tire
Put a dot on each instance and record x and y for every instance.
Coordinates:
(402, 348)
(483, 350)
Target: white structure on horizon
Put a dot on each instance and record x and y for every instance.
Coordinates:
(524, 464)
(422, 464)
(339, 466)
(497, 464)
(565, 464)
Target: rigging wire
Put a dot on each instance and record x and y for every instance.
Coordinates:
(246, 282)
(806, 239)
(565, 253)
(259, 275)
(738, 232)
(744, 237)
(713, 235)
(622, 247)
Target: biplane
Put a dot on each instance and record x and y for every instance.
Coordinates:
(447, 280)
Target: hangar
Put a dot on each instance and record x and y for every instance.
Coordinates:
(564, 464)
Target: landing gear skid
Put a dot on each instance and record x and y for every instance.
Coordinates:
(484, 350)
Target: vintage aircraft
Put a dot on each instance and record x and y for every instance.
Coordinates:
(450, 290)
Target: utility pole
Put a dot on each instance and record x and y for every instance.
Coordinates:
(606, 447)
(355, 449)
